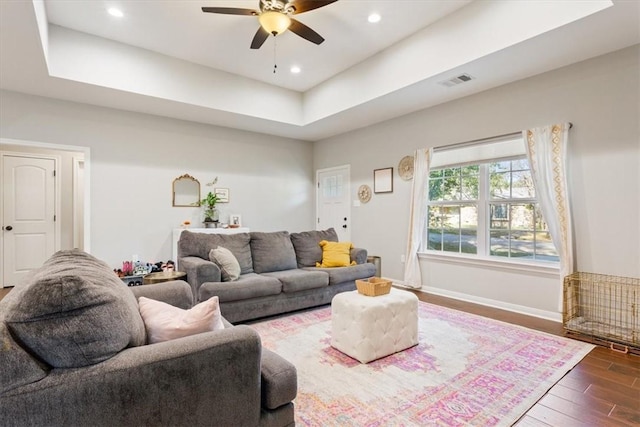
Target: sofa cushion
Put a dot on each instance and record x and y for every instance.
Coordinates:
(307, 245)
(247, 286)
(199, 245)
(272, 252)
(229, 266)
(165, 322)
(300, 280)
(74, 312)
(335, 254)
(347, 274)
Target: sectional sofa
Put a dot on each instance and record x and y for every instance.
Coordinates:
(278, 271)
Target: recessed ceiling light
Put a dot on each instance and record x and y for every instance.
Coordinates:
(115, 12)
(374, 17)
(295, 69)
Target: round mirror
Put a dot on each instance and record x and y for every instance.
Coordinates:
(186, 191)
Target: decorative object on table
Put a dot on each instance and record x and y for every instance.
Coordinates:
(140, 268)
(235, 221)
(383, 180)
(134, 272)
(186, 223)
(186, 191)
(210, 212)
(222, 194)
(127, 268)
(373, 287)
(364, 193)
(405, 168)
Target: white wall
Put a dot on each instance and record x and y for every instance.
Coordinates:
(135, 157)
(599, 96)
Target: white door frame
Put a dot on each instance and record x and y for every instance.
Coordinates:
(348, 190)
(87, 178)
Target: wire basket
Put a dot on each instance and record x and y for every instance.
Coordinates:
(374, 286)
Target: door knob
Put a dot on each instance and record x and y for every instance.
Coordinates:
(344, 226)
(345, 218)
(8, 228)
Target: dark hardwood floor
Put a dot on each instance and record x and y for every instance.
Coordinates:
(602, 390)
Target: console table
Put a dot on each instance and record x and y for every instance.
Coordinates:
(178, 231)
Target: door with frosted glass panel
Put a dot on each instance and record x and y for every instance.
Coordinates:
(333, 208)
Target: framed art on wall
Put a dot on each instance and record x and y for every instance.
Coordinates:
(383, 180)
(223, 195)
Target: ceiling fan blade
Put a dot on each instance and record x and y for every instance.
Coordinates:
(307, 5)
(230, 11)
(259, 39)
(305, 32)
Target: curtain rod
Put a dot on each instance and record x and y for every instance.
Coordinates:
(480, 141)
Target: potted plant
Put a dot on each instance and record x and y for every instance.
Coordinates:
(210, 212)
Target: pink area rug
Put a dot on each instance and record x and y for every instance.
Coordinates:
(466, 371)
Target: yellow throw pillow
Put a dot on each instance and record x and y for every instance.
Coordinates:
(335, 254)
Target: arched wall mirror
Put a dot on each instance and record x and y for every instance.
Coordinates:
(186, 191)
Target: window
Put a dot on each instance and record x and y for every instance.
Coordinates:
(487, 209)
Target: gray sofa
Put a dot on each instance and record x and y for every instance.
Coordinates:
(278, 271)
(73, 353)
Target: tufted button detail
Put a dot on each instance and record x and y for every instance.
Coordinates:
(368, 328)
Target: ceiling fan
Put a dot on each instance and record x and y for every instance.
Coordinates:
(275, 18)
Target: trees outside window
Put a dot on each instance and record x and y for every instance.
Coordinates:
(487, 209)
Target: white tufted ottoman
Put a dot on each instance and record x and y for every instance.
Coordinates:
(368, 328)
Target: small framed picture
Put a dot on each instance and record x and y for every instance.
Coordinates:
(223, 194)
(383, 180)
(235, 220)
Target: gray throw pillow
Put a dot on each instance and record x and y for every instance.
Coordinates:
(272, 252)
(74, 312)
(200, 244)
(229, 266)
(307, 245)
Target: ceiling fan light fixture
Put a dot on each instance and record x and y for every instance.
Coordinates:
(274, 22)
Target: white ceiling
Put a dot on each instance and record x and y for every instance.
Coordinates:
(181, 30)
(170, 59)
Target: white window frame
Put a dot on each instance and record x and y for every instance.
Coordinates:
(483, 257)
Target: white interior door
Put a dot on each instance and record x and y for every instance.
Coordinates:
(28, 215)
(333, 208)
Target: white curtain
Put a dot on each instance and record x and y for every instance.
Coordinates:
(547, 153)
(417, 216)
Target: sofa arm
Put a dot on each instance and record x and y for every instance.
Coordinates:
(279, 380)
(199, 271)
(359, 255)
(205, 379)
(175, 292)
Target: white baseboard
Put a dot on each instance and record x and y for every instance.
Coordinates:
(529, 311)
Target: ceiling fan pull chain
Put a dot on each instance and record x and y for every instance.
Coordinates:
(275, 64)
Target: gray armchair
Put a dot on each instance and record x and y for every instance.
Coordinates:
(103, 373)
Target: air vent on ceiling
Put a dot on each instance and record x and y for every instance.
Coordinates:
(462, 78)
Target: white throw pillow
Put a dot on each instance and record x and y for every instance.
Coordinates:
(229, 266)
(165, 322)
